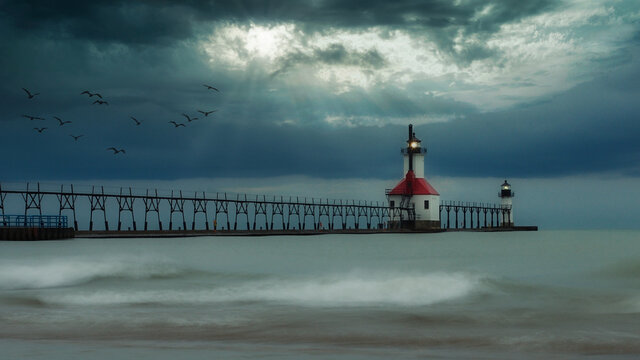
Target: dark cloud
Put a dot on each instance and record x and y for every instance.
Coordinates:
(63, 48)
(334, 54)
(162, 22)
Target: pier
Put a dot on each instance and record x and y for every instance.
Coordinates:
(128, 212)
(34, 227)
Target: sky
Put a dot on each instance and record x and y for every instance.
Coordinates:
(315, 96)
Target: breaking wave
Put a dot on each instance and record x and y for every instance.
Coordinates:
(69, 272)
(346, 290)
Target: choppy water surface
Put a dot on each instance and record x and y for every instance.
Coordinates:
(536, 295)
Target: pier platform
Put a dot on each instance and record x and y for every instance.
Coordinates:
(195, 233)
(34, 227)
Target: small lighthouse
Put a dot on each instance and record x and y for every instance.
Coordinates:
(506, 202)
(413, 201)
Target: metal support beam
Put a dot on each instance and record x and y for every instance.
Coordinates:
(199, 206)
(98, 203)
(125, 203)
(152, 204)
(67, 201)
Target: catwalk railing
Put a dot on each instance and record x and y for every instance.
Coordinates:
(205, 211)
(34, 221)
(462, 214)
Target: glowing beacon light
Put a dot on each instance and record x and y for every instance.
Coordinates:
(506, 202)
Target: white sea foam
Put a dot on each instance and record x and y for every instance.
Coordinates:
(73, 271)
(399, 289)
(346, 290)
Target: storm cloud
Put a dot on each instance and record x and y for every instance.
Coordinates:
(320, 88)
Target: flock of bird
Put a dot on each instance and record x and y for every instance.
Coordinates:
(100, 101)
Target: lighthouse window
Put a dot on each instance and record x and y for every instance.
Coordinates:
(426, 204)
(392, 204)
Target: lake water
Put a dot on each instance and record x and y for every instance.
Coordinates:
(525, 295)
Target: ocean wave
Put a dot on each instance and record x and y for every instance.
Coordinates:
(628, 268)
(337, 290)
(74, 271)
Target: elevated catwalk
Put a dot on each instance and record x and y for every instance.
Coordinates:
(223, 214)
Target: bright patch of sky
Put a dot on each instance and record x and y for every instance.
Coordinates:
(535, 57)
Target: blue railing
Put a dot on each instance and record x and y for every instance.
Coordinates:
(33, 221)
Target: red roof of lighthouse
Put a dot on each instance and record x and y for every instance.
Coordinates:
(411, 185)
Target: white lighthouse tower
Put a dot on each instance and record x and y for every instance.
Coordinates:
(506, 202)
(414, 192)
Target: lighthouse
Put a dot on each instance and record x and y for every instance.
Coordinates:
(506, 202)
(413, 202)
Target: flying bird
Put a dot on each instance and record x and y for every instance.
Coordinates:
(61, 122)
(206, 113)
(29, 94)
(76, 137)
(136, 120)
(189, 118)
(91, 94)
(176, 124)
(209, 87)
(100, 102)
(115, 151)
(32, 117)
(40, 130)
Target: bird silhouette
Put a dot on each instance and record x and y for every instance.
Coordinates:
(76, 137)
(29, 94)
(176, 124)
(100, 102)
(206, 113)
(40, 130)
(116, 151)
(209, 87)
(190, 119)
(61, 122)
(136, 120)
(32, 117)
(91, 94)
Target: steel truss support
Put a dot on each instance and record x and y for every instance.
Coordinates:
(484, 210)
(309, 210)
(337, 210)
(125, 203)
(350, 210)
(200, 206)
(375, 213)
(222, 206)
(98, 203)
(293, 209)
(32, 200)
(176, 205)
(363, 211)
(242, 208)
(385, 215)
(277, 208)
(260, 208)
(456, 209)
(464, 217)
(151, 204)
(68, 202)
(323, 210)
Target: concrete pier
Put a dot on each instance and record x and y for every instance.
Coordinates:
(197, 233)
(35, 233)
